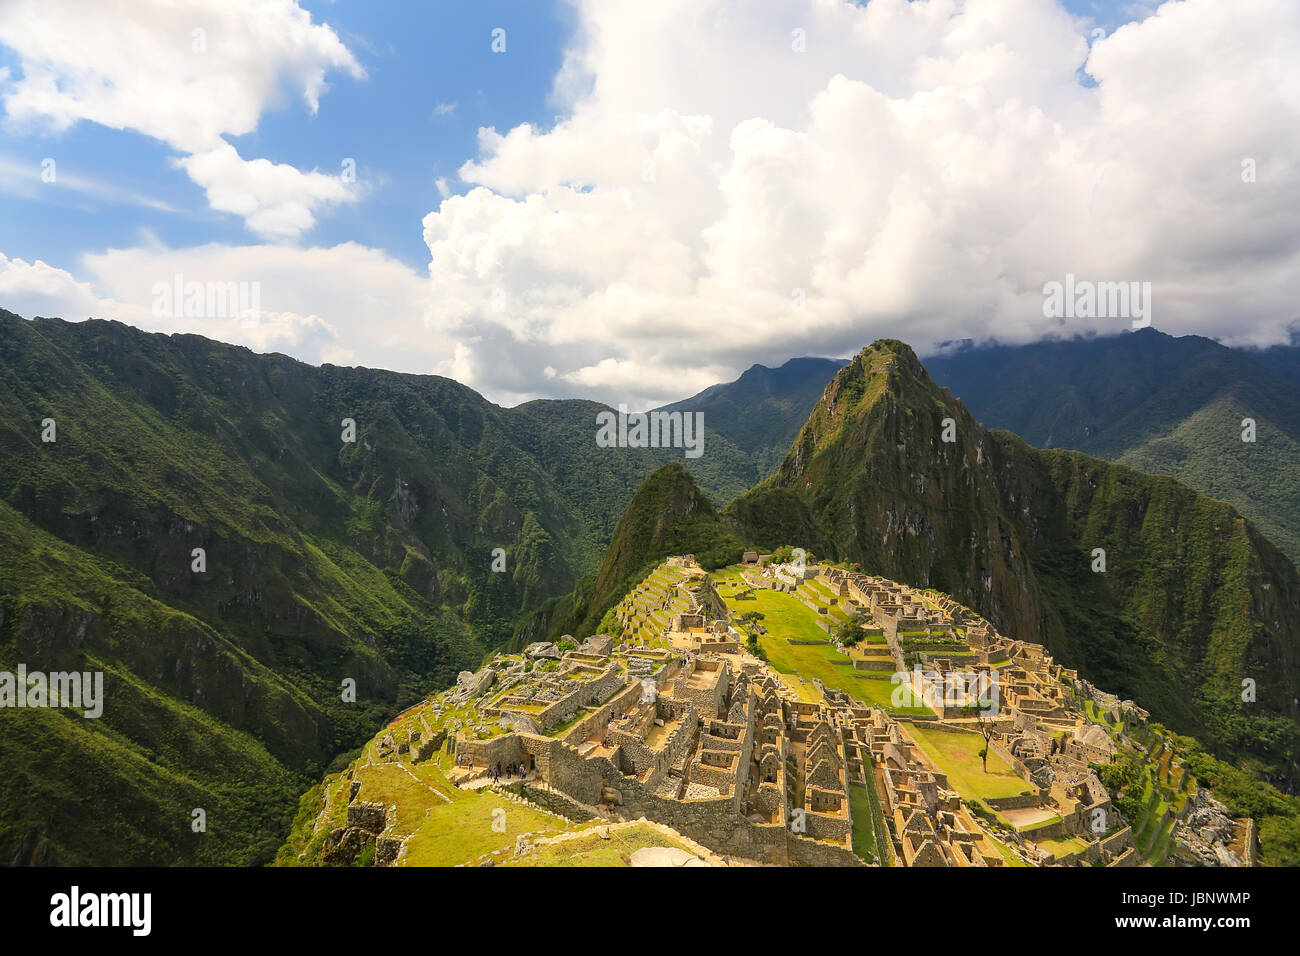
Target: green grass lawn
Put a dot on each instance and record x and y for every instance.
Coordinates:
(877, 691)
(786, 619)
(1062, 846)
(864, 830)
(459, 832)
(1005, 852)
(957, 755)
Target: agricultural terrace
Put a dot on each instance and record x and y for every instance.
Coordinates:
(646, 612)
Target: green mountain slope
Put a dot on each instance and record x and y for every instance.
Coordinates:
(1164, 405)
(325, 560)
(668, 515)
(750, 423)
(1193, 600)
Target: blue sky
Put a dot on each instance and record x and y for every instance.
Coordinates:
(970, 157)
(418, 57)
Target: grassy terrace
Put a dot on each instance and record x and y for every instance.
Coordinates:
(648, 620)
(1062, 846)
(1165, 788)
(1004, 851)
(447, 826)
(822, 595)
(957, 755)
(863, 812)
(786, 619)
(461, 831)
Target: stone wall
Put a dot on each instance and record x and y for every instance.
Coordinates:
(558, 803)
(716, 824)
(371, 817)
(1116, 843)
(591, 692)
(618, 704)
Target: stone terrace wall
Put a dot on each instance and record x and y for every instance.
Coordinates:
(1117, 841)
(508, 748)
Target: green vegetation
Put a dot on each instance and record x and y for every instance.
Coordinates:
(1169, 406)
(591, 849)
(1276, 814)
(1061, 847)
(325, 560)
(372, 561)
(749, 423)
(863, 811)
(446, 826)
(668, 515)
(850, 633)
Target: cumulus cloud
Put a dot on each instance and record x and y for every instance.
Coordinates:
(345, 304)
(188, 75)
(737, 182)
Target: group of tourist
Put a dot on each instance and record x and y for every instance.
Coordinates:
(497, 772)
(509, 770)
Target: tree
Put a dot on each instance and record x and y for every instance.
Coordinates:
(850, 633)
(986, 728)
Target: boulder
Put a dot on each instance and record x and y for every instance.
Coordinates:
(598, 644)
(470, 684)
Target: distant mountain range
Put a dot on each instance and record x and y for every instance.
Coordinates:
(1165, 405)
(750, 422)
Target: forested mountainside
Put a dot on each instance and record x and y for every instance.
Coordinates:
(325, 563)
(1164, 405)
(323, 560)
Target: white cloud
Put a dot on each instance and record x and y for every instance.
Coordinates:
(920, 172)
(36, 288)
(345, 304)
(275, 199)
(187, 74)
